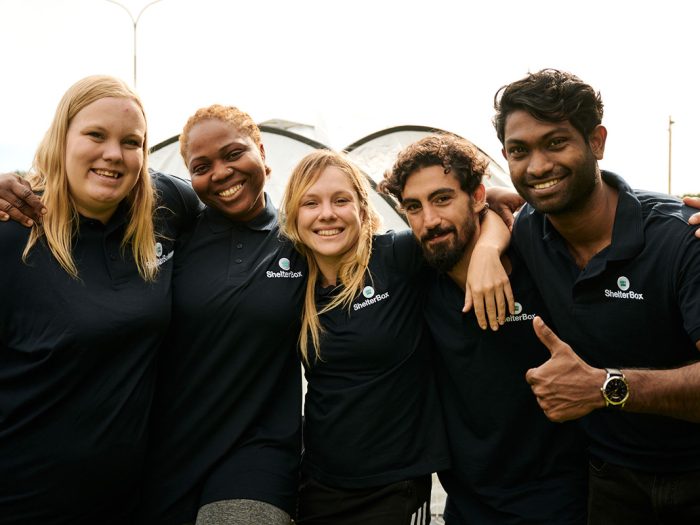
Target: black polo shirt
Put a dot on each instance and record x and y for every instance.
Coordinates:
(77, 368)
(372, 415)
(635, 305)
(227, 414)
(510, 464)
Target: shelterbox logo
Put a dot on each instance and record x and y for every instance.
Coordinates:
(519, 315)
(371, 298)
(624, 292)
(285, 273)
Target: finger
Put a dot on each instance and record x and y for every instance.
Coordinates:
(510, 298)
(467, 299)
(694, 218)
(492, 311)
(14, 213)
(501, 305)
(21, 196)
(693, 202)
(481, 314)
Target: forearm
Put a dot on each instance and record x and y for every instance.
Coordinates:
(672, 393)
(494, 233)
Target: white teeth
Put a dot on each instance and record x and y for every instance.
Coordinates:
(545, 185)
(231, 191)
(328, 233)
(107, 173)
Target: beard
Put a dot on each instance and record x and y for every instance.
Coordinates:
(445, 255)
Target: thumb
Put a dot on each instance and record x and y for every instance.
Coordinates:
(467, 299)
(547, 337)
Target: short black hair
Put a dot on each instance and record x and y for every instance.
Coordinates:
(550, 95)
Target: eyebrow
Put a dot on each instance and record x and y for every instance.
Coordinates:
(431, 196)
(220, 150)
(548, 135)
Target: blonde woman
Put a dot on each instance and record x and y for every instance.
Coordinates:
(373, 429)
(86, 301)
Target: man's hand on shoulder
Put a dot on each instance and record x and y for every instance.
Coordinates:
(693, 202)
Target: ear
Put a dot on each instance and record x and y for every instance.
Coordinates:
(268, 170)
(596, 140)
(503, 152)
(479, 198)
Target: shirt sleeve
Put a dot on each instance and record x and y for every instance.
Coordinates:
(689, 283)
(177, 203)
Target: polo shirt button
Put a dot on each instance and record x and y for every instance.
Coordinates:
(239, 246)
(238, 261)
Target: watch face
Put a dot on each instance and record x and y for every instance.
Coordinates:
(616, 390)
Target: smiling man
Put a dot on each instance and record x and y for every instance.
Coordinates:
(510, 465)
(619, 270)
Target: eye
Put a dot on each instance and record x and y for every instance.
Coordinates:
(95, 134)
(557, 143)
(134, 143)
(309, 203)
(411, 208)
(516, 152)
(234, 154)
(442, 200)
(342, 200)
(199, 169)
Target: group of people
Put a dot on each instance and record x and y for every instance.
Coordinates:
(152, 331)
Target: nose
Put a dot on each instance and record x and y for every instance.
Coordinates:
(430, 217)
(326, 211)
(540, 164)
(112, 151)
(222, 171)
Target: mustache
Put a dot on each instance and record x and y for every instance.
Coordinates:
(436, 232)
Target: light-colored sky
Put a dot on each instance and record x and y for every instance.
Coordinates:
(352, 68)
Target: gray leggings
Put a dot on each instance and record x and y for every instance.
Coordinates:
(241, 512)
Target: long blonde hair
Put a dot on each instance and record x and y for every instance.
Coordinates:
(49, 176)
(351, 273)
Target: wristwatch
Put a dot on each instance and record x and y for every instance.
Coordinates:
(615, 389)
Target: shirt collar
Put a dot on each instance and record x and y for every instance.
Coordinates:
(628, 228)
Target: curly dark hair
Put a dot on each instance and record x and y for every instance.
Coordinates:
(453, 153)
(550, 95)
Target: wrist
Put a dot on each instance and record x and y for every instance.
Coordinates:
(615, 389)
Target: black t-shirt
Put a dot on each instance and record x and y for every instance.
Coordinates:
(510, 464)
(372, 416)
(77, 368)
(227, 413)
(635, 305)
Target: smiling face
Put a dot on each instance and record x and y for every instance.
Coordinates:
(551, 165)
(441, 215)
(227, 169)
(104, 155)
(329, 217)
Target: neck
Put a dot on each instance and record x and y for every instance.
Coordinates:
(328, 269)
(588, 230)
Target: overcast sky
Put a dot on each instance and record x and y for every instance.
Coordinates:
(352, 68)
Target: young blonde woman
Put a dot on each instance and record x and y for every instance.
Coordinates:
(373, 431)
(86, 302)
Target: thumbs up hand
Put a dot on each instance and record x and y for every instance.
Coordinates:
(565, 386)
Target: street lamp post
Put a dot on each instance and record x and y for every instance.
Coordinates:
(135, 22)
